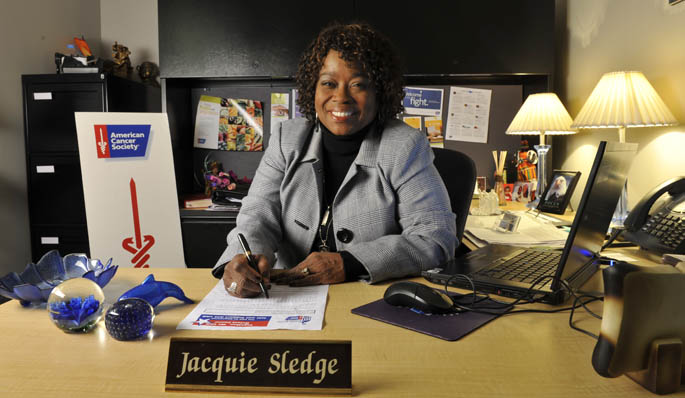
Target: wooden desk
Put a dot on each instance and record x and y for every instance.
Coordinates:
(521, 355)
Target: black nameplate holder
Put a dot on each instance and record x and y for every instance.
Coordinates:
(291, 366)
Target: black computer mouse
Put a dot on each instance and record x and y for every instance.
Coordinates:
(418, 296)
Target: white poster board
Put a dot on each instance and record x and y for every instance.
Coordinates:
(129, 187)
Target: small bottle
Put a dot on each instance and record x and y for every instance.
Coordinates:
(490, 202)
(499, 189)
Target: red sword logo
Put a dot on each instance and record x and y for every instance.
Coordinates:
(138, 250)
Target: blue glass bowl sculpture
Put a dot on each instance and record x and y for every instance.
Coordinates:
(75, 306)
(129, 319)
(34, 285)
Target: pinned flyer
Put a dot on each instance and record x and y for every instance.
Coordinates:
(468, 114)
(229, 124)
(422, 101)
(129, 187)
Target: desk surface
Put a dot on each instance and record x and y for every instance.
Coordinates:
(519, 355)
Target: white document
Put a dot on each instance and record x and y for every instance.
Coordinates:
(207, 123)
(468, 114)
(280, 110)
(531, 232)
(295, 308)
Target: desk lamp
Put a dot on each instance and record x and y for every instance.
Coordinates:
(620, 100)
(541, 114)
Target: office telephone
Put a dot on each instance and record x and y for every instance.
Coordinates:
(661, 229)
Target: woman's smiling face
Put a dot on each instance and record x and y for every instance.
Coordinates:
(345, 99)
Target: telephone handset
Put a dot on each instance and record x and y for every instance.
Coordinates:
(662, 229)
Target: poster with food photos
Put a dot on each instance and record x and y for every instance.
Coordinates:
(229, 124)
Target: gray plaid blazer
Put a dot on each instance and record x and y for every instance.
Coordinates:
(392, 200)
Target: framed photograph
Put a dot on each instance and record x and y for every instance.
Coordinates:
(559, 191)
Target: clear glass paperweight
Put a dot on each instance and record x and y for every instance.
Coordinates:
(129, 319)
(75, 306)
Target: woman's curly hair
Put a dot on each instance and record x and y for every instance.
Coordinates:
(360, 45)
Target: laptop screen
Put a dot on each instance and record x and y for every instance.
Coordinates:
(602, 192)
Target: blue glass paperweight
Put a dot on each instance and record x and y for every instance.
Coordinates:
(154, 292)
(129, 319)
(75, 306)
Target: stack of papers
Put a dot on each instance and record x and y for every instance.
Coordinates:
(531, 232)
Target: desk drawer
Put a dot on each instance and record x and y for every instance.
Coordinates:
(56, 190)
(204, 240)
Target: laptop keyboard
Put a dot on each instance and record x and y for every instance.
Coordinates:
(526, 266)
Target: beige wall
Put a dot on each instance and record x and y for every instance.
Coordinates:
(32, 31)
(610, 35)
(132, 23)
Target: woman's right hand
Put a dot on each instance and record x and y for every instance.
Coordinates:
(241, 280)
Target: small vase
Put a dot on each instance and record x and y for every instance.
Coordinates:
(499, 189)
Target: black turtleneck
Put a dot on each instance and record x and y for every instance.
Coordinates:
(339, 152)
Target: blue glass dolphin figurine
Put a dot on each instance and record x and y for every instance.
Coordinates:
(155, 292)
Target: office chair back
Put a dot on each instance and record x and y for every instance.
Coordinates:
(458, 172)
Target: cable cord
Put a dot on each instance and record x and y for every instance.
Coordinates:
(505, 308)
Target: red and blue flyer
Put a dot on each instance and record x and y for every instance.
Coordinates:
(295, 308)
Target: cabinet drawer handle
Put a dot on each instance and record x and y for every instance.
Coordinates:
(45, 169)
(42, 96)
(49, 240)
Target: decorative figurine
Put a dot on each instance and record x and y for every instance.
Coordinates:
(148, 72)
(527, 159)
(155, 292)
(122, 63)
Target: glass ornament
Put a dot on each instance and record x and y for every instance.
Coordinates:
(129, 319)
(75, 306)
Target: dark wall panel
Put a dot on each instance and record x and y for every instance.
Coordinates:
(211, 38)
(496, 36)
(216, 38)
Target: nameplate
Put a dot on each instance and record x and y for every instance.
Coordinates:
(260, 366)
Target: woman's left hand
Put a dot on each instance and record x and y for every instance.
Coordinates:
(319, 268)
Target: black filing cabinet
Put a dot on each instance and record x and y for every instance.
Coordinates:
(55, 189)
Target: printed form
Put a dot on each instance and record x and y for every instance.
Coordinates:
(295, 308)
(468, 114)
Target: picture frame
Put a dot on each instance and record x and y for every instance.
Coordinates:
(558, 193)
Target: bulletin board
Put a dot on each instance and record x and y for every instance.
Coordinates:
(183, 96)
(505, 102)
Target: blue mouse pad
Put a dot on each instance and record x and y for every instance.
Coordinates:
(449, 327)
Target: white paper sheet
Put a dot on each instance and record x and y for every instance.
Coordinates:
(207, 124)
(280, 110)
(468, 114)
(530, 233)
(295, 308)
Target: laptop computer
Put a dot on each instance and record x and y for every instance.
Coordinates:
(510, 270)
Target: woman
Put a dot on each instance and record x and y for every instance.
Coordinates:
(349, 193)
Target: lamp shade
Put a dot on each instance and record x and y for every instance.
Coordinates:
(541, 114)
(623, 99)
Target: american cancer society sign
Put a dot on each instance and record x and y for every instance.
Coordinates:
(129, 188)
